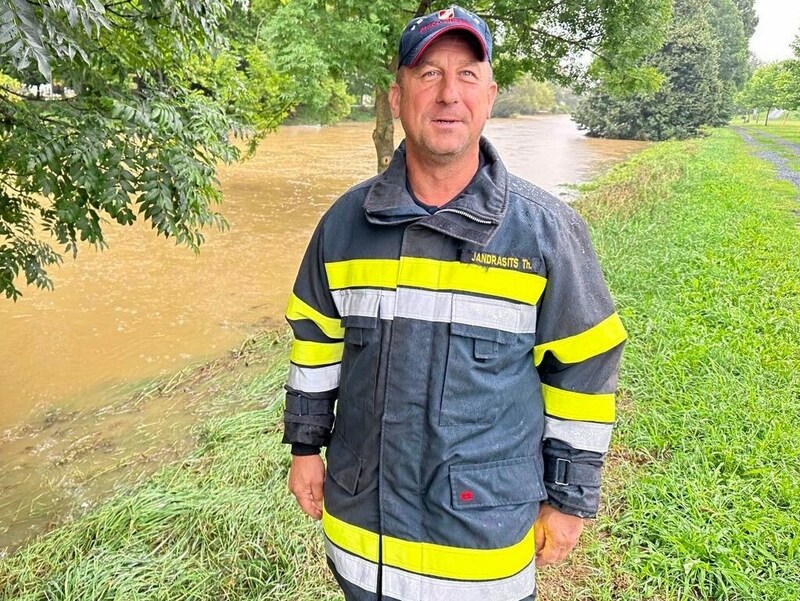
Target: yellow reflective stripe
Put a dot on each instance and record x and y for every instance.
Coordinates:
(299, 309)
(362, 273)
(458, 563)
(596, 340)
(305, 352)
(469, 277)
(436, 275)
(430, 559)
(578, 405)
(350, 538)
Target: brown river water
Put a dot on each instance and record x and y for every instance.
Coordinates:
(145, 308)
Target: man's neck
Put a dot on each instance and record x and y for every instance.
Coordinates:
(437, 184)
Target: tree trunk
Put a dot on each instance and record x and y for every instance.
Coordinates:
(383, 134)
(769, 108)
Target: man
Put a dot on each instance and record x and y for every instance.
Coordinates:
(460, 317)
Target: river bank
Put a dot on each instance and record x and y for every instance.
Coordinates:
(80, 366)
(144, 307)
(697, 239)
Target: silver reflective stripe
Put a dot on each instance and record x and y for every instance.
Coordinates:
(362, 573)
(451, 307)
(314, 379)
(495, 314)
(426, 305)
(588, 436)
(429, 305)
(365, 302)
(406, 586)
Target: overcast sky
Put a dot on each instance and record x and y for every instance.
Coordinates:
(778, 24)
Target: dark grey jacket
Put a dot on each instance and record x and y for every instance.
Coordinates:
(473, 353)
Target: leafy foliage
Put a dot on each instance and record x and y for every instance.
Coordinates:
(776, 85)
(160, 85)
(551, 40)
(140, 137)
(703, 61)
(527, 97)
(313, 48)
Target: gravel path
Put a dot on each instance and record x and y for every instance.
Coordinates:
(784, 171)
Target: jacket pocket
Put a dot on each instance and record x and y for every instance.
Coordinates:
(499, 483)
(475, 382)
(344, 465)
(360, 360)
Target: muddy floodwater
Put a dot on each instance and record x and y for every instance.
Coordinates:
(144, 308)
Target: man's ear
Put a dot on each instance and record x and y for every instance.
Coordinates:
(394, 99)
(492, 95)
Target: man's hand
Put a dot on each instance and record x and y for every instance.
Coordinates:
(306, 476)
(556, 534)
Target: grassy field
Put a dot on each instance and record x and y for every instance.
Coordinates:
(704, 501)
(699, 243)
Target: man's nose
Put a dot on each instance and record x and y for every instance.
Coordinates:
(448, 90)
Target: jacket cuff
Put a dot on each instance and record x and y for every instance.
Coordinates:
(302, 450)
(572, 479)
(582, 501)
(307, 420)
(306, 434)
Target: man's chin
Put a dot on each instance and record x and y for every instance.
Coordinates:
(446, 152)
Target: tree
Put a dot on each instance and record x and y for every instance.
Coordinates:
(160, 85)
(545, 39)
(790, 81)
(698, 84)
(768, 88)
(526, 97)
(139, 137)
(731, 23)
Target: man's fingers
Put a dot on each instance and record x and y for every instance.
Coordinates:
(538, 534)
(309, 505)
(551, 554)
(306, 476)
(556, 534)
(316, 494)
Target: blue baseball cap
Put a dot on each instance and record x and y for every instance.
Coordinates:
(422, 31)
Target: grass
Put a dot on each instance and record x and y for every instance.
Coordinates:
(699, 242)
(219, 525)
(704, 501)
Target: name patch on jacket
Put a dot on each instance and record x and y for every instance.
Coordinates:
(528, 265)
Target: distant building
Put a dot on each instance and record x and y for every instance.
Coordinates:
(47, 91)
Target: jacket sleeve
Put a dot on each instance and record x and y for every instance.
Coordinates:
(578, 349)
(316, 354)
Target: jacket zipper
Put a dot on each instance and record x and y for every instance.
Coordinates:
(467, 215)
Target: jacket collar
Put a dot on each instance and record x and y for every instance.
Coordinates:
(473, 216)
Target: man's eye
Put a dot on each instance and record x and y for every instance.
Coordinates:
(468, 73)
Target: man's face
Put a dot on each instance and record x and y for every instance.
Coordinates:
(444, 101)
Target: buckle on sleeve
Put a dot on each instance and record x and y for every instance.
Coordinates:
(561, 477)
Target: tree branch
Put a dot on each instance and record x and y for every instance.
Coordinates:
(17, 94)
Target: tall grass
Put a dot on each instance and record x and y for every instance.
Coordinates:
(707, 279)
(699, 243)
(220, 525)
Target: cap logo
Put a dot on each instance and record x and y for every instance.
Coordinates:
(420, 33)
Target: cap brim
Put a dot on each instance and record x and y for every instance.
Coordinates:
(423, 45)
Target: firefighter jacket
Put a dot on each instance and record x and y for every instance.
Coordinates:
(470, 359)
